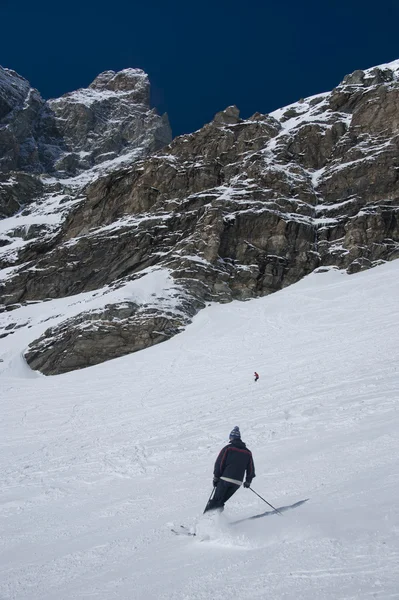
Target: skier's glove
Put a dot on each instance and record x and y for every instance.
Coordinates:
(215, 481)
(247, 484)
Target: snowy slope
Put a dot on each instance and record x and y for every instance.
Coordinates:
(96, 463)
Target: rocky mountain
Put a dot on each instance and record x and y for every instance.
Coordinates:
(89, 128)
(236, 210)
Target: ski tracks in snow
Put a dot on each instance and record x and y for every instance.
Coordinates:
(95, 463)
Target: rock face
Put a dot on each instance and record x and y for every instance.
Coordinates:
(106, 120)
(239, 209)
(73, 133)
(21, 109)
(115, 327)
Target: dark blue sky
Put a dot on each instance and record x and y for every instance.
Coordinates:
(201, 56)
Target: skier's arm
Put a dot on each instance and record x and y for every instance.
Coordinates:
(218, 469)
(250, 470)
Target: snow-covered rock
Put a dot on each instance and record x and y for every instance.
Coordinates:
(238, 209)
(112, 117)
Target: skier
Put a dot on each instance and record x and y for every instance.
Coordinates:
(233, 461)
(256, 376)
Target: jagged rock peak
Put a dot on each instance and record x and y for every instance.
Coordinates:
(131, 84)
(79, 131)
(374, 75)
(228, 116)
(14, 90)
(125, 80)
(13, 80)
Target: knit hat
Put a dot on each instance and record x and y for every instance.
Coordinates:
(235, 433)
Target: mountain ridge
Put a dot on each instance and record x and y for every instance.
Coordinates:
(236, 210)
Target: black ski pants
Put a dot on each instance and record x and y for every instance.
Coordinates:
(223, 492)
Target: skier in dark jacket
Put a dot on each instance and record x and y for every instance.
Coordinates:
(233, 461)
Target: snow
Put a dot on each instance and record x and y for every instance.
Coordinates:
(98, 92)
(103, 168)
(302, 109)
(308, 111)
(97, 463)
(335, 205)
(49, 212)
(334, 168)
(51, 209)
(123, 223)
(392, 66)
(89, 96)
(324, 220)
(316, 176)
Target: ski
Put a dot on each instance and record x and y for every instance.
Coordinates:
(271, 512)
(184, 530)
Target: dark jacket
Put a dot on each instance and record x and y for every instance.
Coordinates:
(233, 460)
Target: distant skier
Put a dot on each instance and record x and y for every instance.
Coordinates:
(256, 376)
(233, 461)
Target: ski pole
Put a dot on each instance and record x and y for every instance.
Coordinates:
(210, 498)
(268, 503)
